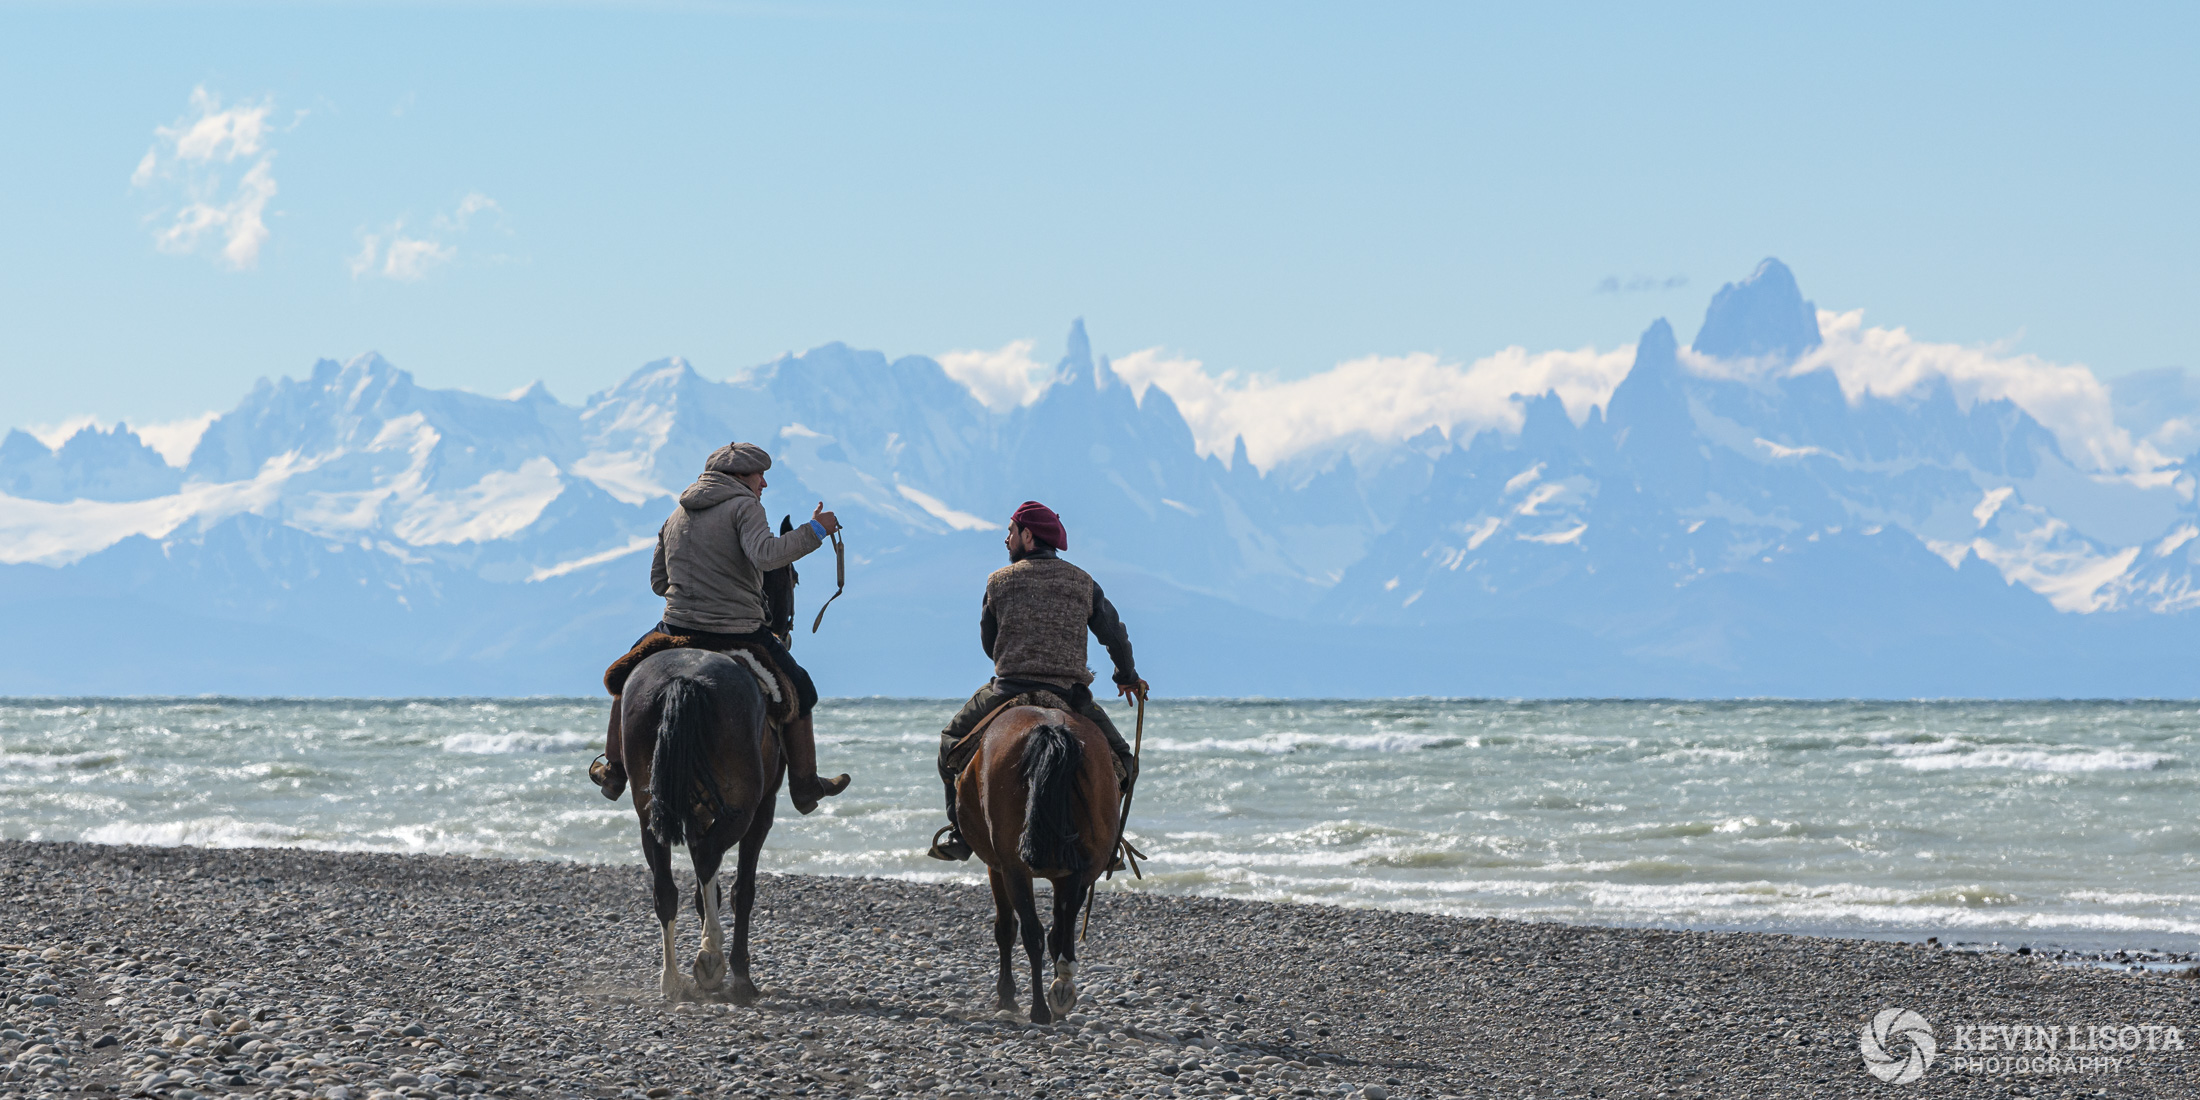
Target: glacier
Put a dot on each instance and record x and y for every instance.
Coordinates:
(1793, 504)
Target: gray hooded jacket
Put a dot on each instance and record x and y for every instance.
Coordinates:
(713, 553)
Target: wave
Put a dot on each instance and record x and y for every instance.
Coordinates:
(203, 832)
(2041, 760)
(501, 744)
(40, 761)
(1281, 744)
(1746, 827)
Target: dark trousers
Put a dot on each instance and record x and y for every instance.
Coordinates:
(761, 639)
(997, 691)
(614, 748)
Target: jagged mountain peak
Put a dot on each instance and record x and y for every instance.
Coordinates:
(1761, 316)
(93, 464)
(1103, 374)
(359, 376)
(1654, 380)
(1694, 490)
(1076, 364)
(534, 393)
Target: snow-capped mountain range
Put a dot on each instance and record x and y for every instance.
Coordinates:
(1793, 504)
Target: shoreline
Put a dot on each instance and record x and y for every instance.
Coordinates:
(1852, 821)
(361, 976)
(2068, 945)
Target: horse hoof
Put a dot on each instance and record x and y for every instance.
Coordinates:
(1040, 1015)
(710, 970)
(744, 992)
(1062, 996)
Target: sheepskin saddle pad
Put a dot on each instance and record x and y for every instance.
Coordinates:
(780, 697)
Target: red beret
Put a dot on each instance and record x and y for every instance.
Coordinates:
(1043, 524)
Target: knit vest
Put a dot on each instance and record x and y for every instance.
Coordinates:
(1040, 607)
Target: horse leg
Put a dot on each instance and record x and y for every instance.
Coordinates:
(710, 961)
(744, 899)
(1004, 936)
(669, 981)
(1069, 895)
(1027, 915)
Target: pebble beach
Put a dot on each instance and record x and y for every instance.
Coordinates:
(183, 973)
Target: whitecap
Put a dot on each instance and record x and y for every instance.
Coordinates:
(500, 744)
(1279, 744)
(2041, 760)
(201, 832)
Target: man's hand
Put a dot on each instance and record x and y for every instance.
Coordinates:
(1132, 691)
(825, 519)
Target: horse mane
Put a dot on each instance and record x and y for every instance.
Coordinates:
(1052, 758)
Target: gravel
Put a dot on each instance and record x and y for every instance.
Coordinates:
(184, 973)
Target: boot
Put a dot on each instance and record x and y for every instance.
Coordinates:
(608, 776)
(606, 773)
(804, 788)
(1126, 772)
(953, 849)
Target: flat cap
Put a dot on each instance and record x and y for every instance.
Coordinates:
(739, 459)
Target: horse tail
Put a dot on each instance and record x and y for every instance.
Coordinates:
(681, 778)
(1052, 760)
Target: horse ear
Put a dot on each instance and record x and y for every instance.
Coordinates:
(786, 524)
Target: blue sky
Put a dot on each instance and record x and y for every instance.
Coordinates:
(573, 190)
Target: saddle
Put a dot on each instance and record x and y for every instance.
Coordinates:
(781, 701)
(966, 749)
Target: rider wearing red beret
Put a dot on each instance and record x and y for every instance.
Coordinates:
(1036, 613)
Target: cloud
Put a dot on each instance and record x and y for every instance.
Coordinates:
(174, 440)
(409, 258)
(195, 161)
(2065, 398)
(1379, 398)
(1000, 379)
(474, 203)
(1613, 284)
(393, 254)
(1390, 399)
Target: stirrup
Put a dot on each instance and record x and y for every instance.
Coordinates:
(955, 850)
(601, 773)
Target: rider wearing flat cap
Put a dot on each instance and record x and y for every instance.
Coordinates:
(711, 558)
(1036, 613)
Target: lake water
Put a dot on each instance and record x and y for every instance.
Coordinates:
(2073, 824)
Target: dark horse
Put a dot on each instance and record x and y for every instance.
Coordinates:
(1039, 801)
(706, 773)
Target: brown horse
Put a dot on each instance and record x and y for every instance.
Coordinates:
(1039, 801)
(706, 773)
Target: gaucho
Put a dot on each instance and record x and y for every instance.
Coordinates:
(712, 555)
(1033, 626)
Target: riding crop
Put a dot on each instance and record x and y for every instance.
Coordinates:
(1131, 855)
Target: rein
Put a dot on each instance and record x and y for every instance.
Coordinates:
(1131, 854)
(840, 580)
